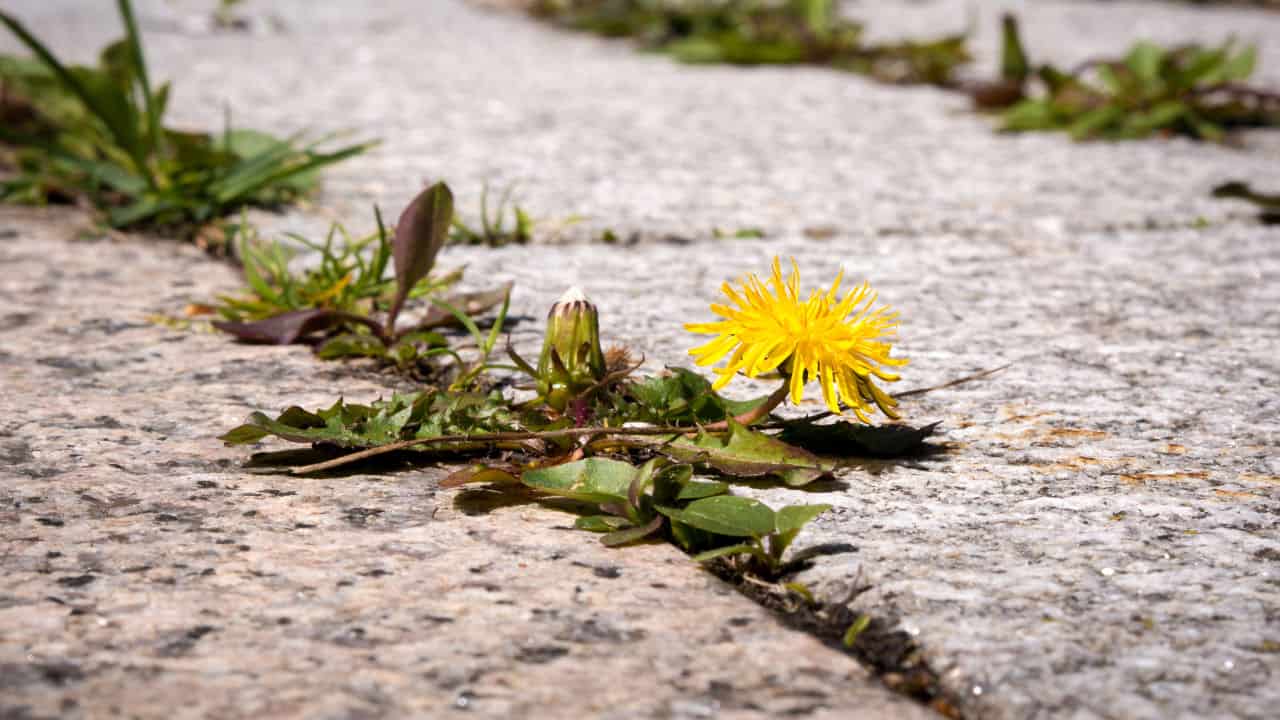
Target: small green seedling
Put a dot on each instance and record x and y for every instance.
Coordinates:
(740, 233)
(493, 230)
(1188, 90)
(766, 534)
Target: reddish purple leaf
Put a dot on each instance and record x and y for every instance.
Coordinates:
(292, 326)
(420, 233)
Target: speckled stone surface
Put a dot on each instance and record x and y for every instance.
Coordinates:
(147, 575)
(1100, 538)
(583, 126)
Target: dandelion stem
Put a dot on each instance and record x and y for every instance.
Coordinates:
(587, 433)
(755, 414)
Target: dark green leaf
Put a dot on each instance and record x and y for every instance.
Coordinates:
(99, 95)
(747, 453)
(789, 521)
(594, 480)
(144, 208)
(1014, 66)
(640, 483)
(632, 534)
(1162, 115)
(385, 427)
(792, 518)
(421, 415)
(1028, 115)
(725, 515)
(740, 549)
(424, 337)
(247, 180)
(352, 345)
(1204, 66)
(600, 523)
(134, 42)
(1094, 122)
(802, 590)
(1243, 191)
(693, 540)
(696, 490)
(1240, 66)
(1144, 60)
(244, 435)
(296, 417)
(330, 433)
(670, 481)
(1204, 129)
(98, 129)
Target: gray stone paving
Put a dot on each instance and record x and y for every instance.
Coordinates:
(584, 126)
(1100, 539)
(147, 575)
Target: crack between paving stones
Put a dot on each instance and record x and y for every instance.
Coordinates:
(888, 652)
(695, 236)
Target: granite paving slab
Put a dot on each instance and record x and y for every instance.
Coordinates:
(147, 574)
(583, 126)
(1098, 535)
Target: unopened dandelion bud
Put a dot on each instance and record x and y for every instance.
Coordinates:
(571, 359)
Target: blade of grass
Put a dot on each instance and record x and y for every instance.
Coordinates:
(247, 186)
(145, 208)
(498, 322)
(113, 174)
(118, 127)
(382, 255)
(464, 319)
(484, 211)
(255, 279)
(154, 135)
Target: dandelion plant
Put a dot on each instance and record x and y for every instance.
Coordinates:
(648, 455)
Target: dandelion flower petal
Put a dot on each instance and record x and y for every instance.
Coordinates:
(843, 342)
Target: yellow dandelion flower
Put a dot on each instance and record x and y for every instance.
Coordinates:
(843, 343)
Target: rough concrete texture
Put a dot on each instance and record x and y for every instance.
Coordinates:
(146, 574)
(1100, 538)
(586, 126)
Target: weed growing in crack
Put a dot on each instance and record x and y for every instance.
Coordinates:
(1188, 90)
(350, 275)
(639, 456)
(746, 233)
(648, 457)
(346, 305)
(493, 230)
(95, 134)
(226, 17)
(752, 32)
(1267, 204)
